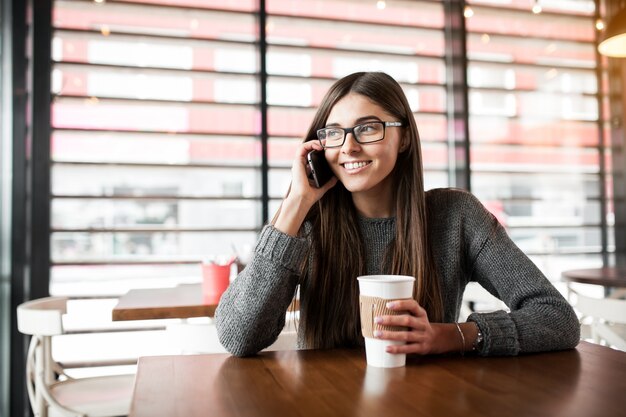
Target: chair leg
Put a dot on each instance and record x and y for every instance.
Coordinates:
(40, 409)
(44, 400)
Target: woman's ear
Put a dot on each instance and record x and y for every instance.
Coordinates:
(404, 144)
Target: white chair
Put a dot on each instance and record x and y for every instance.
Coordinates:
(64, 396)
(478, 299)
(608, 319)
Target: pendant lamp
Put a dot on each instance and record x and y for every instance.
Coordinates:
(614, 39)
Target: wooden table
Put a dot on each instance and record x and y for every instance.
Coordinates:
(180, 302)
(607, 277)
(588, 381)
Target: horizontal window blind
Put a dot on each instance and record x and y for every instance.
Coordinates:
(157, 121)
(155, 145)
(534, 137)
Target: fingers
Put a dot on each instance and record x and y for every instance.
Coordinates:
(300, 165)
(301, 183)
(300, 160)
(415, 341)
(307, 147)
(400, 336)
(418, 337)
(404, 320)
(417, 317)
(410, 306)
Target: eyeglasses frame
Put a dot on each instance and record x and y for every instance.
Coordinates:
(347, 130)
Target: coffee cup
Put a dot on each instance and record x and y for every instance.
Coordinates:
(375, 292)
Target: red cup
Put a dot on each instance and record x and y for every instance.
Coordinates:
(215, 280)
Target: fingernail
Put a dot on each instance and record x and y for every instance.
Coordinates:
(378, 333)
(378, 319)
(391, 304)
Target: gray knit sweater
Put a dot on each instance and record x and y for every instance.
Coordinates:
(468, 244)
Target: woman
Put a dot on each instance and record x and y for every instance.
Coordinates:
(374, 217)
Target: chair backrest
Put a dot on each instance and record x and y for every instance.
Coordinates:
(50, 390)
(609, 309)
(608, 318)
(42, 316)
(480, 299)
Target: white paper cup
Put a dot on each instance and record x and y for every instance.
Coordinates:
(390, 287)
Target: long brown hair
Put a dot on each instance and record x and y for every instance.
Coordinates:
(329, 289)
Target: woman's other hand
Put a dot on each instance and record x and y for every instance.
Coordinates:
(420, 335)
(423, 337)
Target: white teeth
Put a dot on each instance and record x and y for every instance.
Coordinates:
(355, 165)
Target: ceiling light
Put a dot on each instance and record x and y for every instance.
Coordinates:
(614, 39)
(599, 24)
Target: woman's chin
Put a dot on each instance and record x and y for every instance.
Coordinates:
(356, 186)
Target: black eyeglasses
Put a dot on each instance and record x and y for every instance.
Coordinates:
(334, 137)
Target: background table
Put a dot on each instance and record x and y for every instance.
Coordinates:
(607, 277)
(588, 381)
(180, 302)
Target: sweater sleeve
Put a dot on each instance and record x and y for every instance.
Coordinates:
(540, 318)
(251, 313)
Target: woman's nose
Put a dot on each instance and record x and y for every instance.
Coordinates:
(350, 145)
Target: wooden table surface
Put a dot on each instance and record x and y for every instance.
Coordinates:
(180, 302)
(607, 277)
(588, 381)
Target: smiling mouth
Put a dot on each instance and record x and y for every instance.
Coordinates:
(350, 166)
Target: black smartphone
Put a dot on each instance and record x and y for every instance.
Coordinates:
(320, 170)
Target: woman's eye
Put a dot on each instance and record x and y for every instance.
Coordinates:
(368, 128)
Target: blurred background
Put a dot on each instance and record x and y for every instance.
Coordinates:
(140, 136)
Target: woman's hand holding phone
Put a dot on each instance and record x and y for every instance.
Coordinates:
(303, 192)
(318, 168)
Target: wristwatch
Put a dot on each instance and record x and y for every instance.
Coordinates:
(479, 339)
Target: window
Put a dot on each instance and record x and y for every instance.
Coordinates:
(156, 122)
(155, 144)
(534, 137)
(157, 133)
